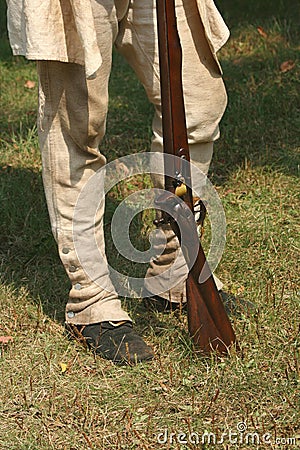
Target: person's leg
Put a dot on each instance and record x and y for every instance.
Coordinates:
(205, 102)
(72, 117)
(72, 124)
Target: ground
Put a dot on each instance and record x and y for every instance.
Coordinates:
(56, 395)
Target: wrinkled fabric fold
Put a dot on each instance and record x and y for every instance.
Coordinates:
(54, 30)
(64, 30)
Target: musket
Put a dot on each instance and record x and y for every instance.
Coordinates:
(208, 323)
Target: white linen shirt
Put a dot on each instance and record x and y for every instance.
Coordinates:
(64, 30)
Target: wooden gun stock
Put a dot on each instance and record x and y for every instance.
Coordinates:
(208, 323)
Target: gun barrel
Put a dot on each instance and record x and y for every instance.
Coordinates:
(208, 323)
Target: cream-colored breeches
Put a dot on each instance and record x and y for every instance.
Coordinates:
(72, 117)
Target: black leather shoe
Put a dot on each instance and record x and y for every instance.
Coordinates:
(160, 304)
(234, 305)
(117, 342)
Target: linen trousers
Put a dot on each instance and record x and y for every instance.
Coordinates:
(72, 121)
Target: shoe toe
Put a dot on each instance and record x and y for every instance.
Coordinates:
(123, 345)
(120, 344)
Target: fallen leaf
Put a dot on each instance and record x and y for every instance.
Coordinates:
(5, 339)
(29, 84)
(140, 410)
(262, 32)
(287, 65)
(240, 290)
(63, 367)
(6, 168)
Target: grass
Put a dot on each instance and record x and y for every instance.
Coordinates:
(94, 404)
